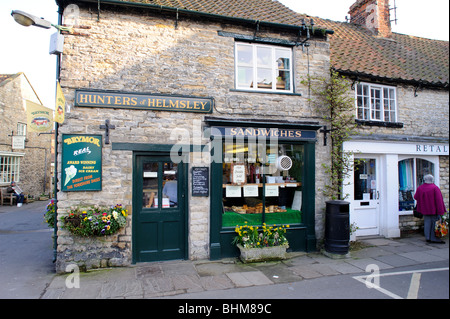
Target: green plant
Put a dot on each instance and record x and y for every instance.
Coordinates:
(95, 220)
(336, 102)
(353, 228)
(49, 216)
(259, 237)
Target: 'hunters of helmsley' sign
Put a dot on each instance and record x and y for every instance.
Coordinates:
(143, 101)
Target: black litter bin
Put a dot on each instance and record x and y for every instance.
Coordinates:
(337, 227)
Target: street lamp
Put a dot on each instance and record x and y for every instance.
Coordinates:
(27, 19)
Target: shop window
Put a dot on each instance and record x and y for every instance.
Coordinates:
(262, 184)
(263, 68)
(410, 174)
(9, 169)
(376, 103)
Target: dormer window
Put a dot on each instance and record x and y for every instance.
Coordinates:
(263, 68)
(376, 102)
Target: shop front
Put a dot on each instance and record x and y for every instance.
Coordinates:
(265, 175)
(382, 185)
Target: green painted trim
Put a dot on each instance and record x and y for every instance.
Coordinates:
(156, 148)
(303, 235)
(184, 176)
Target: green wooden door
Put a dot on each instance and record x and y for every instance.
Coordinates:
(159, 217)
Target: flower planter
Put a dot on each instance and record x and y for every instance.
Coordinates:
(249, 255)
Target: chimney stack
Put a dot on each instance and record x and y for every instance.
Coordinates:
(372, 14)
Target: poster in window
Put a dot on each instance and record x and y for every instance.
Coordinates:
(238, 174)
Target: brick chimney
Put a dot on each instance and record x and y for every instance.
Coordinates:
(372, 14)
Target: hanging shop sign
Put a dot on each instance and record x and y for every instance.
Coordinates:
(81, 166)
(281, 133)
(142, 101)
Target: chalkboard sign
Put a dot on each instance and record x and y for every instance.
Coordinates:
(200, 181)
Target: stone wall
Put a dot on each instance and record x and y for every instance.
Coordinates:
(136, 52)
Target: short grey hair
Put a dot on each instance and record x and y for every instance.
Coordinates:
(429, 179)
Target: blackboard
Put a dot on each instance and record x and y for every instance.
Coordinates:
(200, 181)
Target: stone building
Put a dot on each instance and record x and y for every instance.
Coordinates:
(220, 87)
(25, 155)
(207, 97)
(400, 85)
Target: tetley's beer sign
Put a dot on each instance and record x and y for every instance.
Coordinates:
(143, 101)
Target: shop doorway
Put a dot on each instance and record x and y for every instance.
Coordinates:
(159, 209)
(366, 196)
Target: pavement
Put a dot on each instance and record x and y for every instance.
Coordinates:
(176, 279)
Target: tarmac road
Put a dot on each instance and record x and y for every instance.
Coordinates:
(424, 281)
(26, 251)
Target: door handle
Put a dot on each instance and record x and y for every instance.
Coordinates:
(378, 195)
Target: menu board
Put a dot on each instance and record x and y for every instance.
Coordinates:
(200, 181)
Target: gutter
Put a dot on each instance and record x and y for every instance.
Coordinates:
(199, 14)
(418, 84)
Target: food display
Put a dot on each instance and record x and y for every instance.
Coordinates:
(245, 209)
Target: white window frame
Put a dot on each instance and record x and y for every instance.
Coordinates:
(21, 129)
(274, 67)
(377, 102)
(9, 167)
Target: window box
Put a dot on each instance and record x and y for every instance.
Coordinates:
(249, 255)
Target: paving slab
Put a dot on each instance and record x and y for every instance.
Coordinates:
(218, 268)
(370, 252)
(396, 260)
(250, 278)
(380, 242)
(121, 288)
(363, 263)
(422, 256)
(344, 268)
(190, 283)
(218, 282)
(279, 273)
(305, 271)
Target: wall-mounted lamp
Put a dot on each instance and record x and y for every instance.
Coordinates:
(27, 19)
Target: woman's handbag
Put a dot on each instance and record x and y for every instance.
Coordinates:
(416, 213)
(441, 228)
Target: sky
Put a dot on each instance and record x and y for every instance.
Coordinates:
(26, 49)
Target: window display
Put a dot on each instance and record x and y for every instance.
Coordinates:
(410, 176)
(262, 184)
